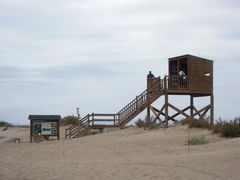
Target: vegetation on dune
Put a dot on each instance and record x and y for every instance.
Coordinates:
(68, 120)
(149, 124)
(203, 123)
(224, 128)
(197, 141)
(228, 128)
(140, 123)
(5, 124)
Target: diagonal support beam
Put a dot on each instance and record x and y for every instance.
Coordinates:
(157, 112)
(178, 110)
(183, 110)
(196, 111)
(169, 118)
(200, 111)
(205, 112)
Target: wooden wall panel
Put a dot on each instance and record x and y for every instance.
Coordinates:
(198, 67)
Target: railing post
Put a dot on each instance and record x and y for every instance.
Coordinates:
(88, 119)
(165, 83)
(114, 119)
(136, 102)
(92, 119)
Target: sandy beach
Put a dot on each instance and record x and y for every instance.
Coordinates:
(131, 153)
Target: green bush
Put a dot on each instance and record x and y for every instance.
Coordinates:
(197, 141)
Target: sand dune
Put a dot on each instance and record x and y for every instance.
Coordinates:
(124, 154)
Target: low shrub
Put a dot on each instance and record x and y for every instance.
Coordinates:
(200, 123)
(218, 126)
(149, 124)
(67, 120)
(184, 121)
(224, 128)
(197, 141)
(153, 125)
(228, 128)
(197, 123)
(140, 123)
(5, 124)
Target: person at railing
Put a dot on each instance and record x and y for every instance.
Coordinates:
(182, 79)
(150, 75)
(182, 74)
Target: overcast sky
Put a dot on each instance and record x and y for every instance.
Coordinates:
(56, 55)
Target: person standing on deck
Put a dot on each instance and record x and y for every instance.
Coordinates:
(150, 75)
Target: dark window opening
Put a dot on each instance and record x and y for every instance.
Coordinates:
(183, 66)
(173, 68)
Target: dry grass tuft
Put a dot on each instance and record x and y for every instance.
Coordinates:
(197, 141)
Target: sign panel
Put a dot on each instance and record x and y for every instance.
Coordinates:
(49, 128)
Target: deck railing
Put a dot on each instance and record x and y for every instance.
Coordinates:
(177, 82)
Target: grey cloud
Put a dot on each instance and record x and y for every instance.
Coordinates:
(88, 45)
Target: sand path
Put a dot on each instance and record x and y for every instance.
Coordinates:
(125, 154)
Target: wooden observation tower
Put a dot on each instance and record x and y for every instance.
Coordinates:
(188, 75)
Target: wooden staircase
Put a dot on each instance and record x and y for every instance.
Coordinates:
(120, 119)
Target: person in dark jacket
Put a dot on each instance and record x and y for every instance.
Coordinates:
(150, 75)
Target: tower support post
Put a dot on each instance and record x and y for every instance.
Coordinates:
(166, 110)
(212, 111)
(191, 107)
(147, 120)
(166, 101)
